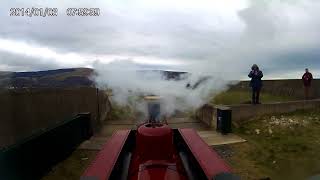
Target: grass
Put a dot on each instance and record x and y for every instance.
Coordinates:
(279, 151)
(121, 112)
(244, 97)
(73, 167)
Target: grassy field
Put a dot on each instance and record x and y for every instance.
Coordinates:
(284, 146)
(244, 97)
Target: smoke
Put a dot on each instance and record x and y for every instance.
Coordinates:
(129, 81)
(269, 33)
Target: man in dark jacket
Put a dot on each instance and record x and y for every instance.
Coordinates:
(307, 78)
(255, 83)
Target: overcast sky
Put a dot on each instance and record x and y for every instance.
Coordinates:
(209, 36)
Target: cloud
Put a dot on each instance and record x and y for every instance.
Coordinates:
(16, 62)
(209, 36)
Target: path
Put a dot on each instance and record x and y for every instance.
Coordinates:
(209, 135)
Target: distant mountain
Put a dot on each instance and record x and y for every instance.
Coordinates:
(65, 78)
(167, 75)
(59, 78)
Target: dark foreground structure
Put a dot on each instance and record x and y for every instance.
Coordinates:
(156, 152)
(34, 156)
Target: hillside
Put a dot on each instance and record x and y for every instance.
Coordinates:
(61, 78)
(64, 78)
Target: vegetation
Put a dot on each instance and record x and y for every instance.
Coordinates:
(73, 167)
(131, 110)
(120, 112)
(279, 147)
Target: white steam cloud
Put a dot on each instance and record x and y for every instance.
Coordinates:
(127, 80)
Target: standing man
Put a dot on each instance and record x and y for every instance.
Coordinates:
(255, 83)
(307, 78)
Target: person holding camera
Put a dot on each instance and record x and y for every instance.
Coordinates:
(307, 78)
(255, 83)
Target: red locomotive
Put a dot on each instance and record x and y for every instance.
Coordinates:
(156, 152)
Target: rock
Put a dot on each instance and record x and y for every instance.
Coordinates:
(224, 151)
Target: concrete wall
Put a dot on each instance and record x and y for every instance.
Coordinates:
(242, 113)
(207, 114)
(24, 111)
(291, 87)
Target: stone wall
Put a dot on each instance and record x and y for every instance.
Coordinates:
(24, 111)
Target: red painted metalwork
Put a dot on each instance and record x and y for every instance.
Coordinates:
(208, 159)
(155, 152)
(151, 140)
(155, 156)
(103, 165)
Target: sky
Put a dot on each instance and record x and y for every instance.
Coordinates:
(219, 38)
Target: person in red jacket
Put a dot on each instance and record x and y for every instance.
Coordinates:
(307, 78)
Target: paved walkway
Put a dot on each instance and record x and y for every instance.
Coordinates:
(210, 136)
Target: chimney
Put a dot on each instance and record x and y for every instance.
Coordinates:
(154, 108)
